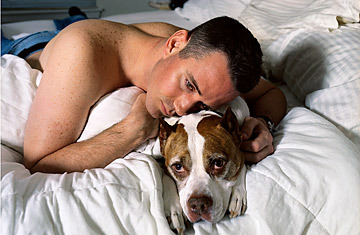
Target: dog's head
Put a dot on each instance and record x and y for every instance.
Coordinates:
(202, 154)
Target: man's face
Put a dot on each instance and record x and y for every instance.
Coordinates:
(180, 86)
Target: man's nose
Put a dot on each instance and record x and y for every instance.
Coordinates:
(182, 105)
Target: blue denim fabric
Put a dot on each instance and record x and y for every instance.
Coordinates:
(15, 47)
(32, 43)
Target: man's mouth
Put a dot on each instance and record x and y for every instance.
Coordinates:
(164, 111)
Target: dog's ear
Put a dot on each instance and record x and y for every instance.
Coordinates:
(230, 123)
(165, 131)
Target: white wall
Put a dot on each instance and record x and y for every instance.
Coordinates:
(112, 7)
(109, 7)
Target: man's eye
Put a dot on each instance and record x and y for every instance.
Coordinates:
(189, 85)
(198, 107)
(204, 106)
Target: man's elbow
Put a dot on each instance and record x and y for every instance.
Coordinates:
(29, 164)
(32, 157)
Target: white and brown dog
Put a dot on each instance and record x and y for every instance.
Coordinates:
(202, 155)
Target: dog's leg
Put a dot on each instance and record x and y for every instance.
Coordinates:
(238, 201)
(172, 207)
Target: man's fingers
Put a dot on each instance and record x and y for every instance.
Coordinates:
(263, 139)
(251, 146)
(256, 140)
(259, 148)
(251, 157)
(247, 128)
(142, 119)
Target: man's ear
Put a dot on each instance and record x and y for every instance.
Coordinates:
(165, 131)
(176, 42)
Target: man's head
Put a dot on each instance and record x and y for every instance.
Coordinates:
(204, 68)
(227, 35)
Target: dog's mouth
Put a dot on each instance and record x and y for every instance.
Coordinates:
(197, 218)
(209, 203)
(200, 207)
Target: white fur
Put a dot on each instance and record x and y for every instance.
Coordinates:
(199, 182)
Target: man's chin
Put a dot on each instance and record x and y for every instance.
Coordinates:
(155, 114)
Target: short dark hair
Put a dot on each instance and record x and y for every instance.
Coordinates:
(229, 36)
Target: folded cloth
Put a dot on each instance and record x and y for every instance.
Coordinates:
(26, 46)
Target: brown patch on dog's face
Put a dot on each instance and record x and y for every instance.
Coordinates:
(176, 153)
(222, 156)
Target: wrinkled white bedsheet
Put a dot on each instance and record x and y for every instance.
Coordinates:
(310, 185)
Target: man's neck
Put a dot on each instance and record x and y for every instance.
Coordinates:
(146, 56)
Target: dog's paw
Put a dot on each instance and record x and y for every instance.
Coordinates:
(238, 201)
(175, 219)
(172, 207)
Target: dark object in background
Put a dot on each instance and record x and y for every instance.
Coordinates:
(176, 3)
(74, 10)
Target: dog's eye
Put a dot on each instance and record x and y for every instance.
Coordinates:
(178, 167)
(218, 164)
(179, 170)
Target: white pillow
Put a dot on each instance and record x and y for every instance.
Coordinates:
(268, 19)
(18, 86)
(203, 10)
(10, 30)
(322, 69)
(109, 110)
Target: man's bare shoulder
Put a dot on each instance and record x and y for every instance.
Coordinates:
(100, 36)
(86, 35)
(159, 29)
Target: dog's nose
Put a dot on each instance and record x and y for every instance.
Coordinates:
(200, 205)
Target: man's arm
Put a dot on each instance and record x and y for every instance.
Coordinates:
(264, 100)
(102, 149)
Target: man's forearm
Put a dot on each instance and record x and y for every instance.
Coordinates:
(272, 104)
(96, 152)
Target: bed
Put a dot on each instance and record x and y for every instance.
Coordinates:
(310, 185)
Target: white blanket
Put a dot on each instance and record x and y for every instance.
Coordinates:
(311, 184)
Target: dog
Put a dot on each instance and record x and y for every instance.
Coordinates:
(203, 158)
(201, 155)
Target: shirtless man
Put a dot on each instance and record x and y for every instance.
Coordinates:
(91, 58)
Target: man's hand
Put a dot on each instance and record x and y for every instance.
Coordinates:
(256, 140)
(143, 122)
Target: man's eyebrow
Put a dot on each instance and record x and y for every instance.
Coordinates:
(193, 81)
